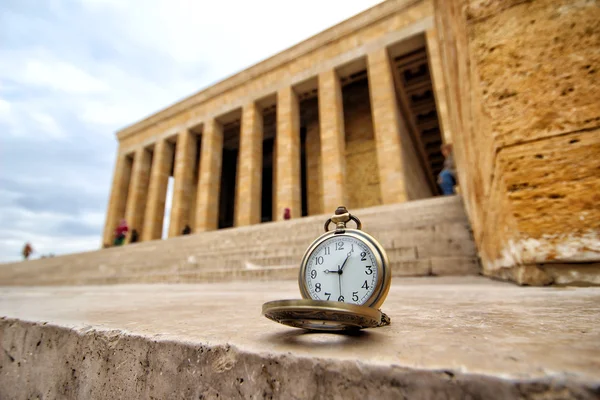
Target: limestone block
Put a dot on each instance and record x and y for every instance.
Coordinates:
(162, 162)
(333, 152)
(183, 186)
(450, 338)
(249, 175)
(573, 274)
(538, 64)
(525, 118)
(550, 190)
(288, 155)
(209, 183)
(138, 190)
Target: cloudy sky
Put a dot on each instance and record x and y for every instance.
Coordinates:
(74, 72)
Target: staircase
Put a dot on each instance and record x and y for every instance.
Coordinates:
(422, 238)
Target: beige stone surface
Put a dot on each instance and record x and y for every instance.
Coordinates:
(538, 63)
(162, 162)
(449, 338)
(249, 174)
(183, 182)
(521, 83)
(138, 191)
(287, 155)
(209, 181)
(333, 149)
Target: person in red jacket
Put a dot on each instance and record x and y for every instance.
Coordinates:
(121, 232)
(287, 213)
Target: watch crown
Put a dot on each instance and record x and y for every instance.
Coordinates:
(341, 210)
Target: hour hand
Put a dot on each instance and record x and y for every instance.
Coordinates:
(331, 272)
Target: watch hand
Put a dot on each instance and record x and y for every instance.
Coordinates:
(340, 281)
(344, 263)
(331, 272)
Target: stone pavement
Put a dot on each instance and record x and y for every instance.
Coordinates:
(461, 337)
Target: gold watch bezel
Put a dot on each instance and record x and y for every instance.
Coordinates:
(384, 273)
(319, 315)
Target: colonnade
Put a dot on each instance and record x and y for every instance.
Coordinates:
(141, 176)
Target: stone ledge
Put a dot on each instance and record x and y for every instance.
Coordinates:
(450, 337)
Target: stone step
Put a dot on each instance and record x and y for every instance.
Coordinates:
(417, 236)
(454, 338)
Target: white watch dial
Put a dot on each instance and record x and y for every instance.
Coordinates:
(341, 268)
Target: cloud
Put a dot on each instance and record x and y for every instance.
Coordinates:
(74, 72)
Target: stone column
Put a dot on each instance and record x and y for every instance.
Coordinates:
(162, 163)
(209, 182)
(185, 158)
(333, 141)
(439, 83)
(288, 154)
(386, 123)
(194, 197)
(138, 191)
(249, 173)
(118, 197)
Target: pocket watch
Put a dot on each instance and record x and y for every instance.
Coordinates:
(344, 278)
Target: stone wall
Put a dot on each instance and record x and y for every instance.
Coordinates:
(522, 88)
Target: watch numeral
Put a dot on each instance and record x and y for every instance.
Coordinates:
(352, 247)
(318, 287)
(339, 245)
(313, 273)
(328, 295)
(365, 286)
(341, 298)
(327, 251)
(369, 270)
(354, 296)
(320, 260)
(363, 256)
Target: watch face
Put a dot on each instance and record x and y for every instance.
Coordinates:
(341, 268)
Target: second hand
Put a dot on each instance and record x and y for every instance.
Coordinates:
(340, 282)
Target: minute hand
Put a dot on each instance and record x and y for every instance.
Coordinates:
(344, 263)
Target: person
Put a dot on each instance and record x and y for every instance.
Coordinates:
(447, 177)
(121, 232)
(287, 213)
(27, 250)
(134, 236)
(187, 230)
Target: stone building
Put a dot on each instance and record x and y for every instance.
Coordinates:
(356, 115)
(348, 116)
